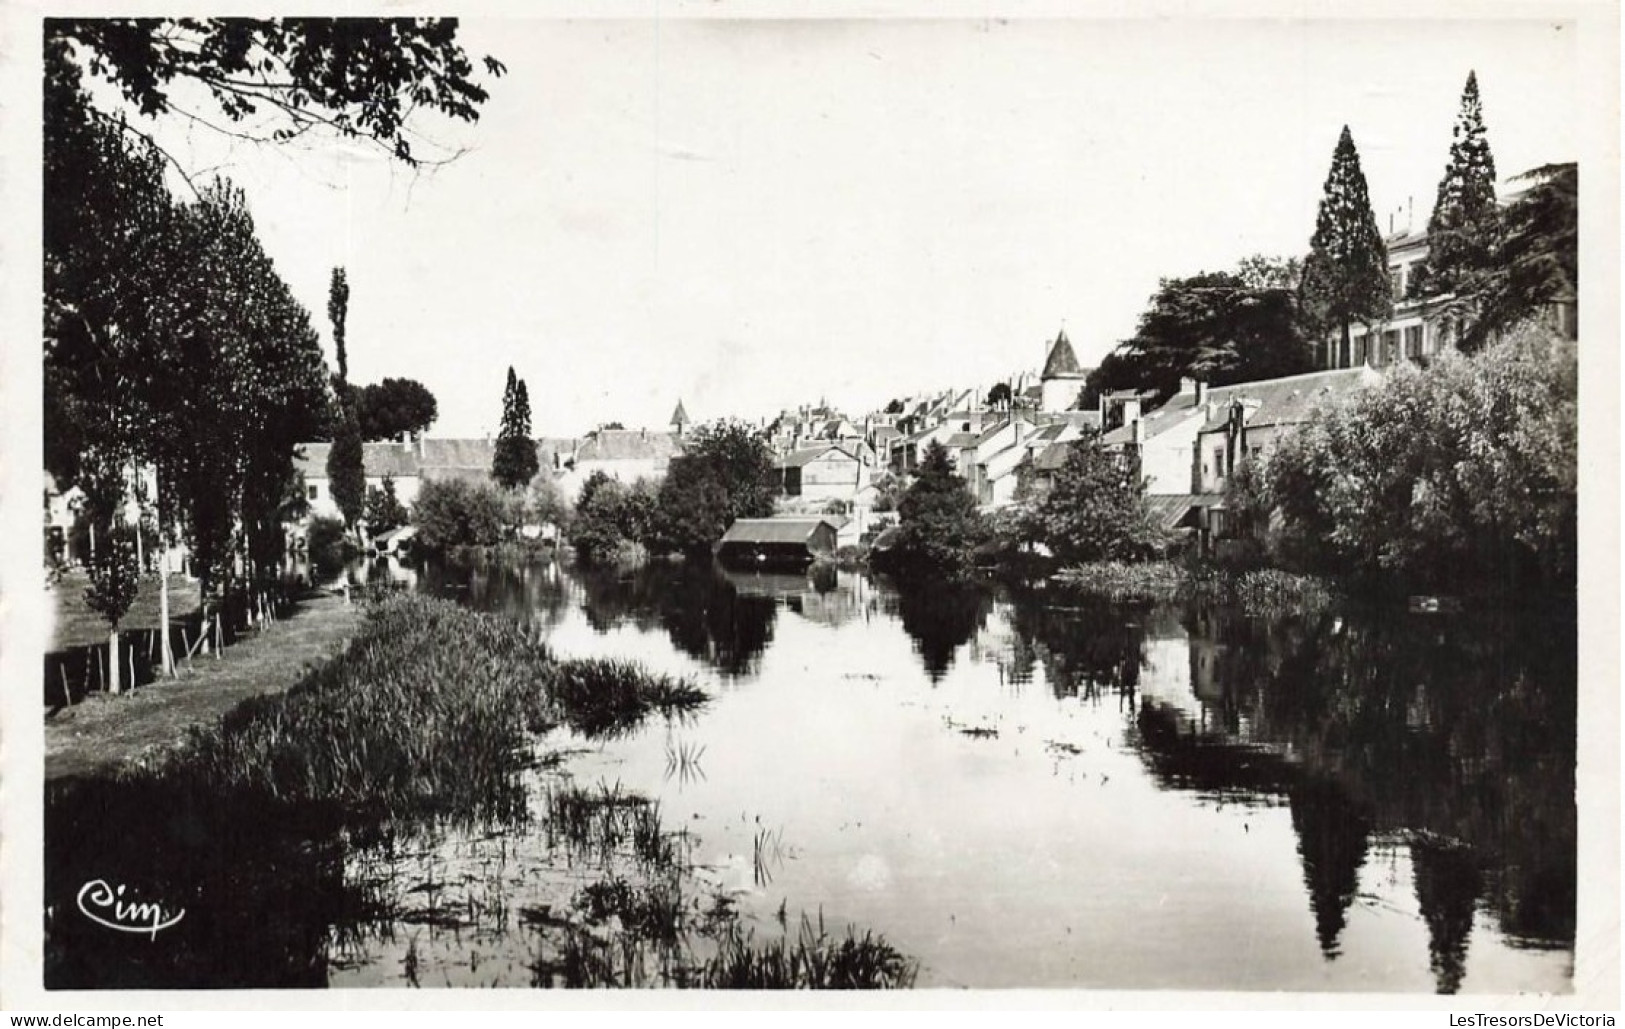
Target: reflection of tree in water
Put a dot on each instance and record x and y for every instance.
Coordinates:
(527, 591)
(941, 617)
(1332, 835)
(1447, 887)
(705, 615)
(1461, 728)
(1085, 649)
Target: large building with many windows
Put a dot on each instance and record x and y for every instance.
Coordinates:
(1412, 333)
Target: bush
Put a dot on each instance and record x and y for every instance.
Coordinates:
(456, 513)
(1463, 475)
(329, 546)
(384, 509)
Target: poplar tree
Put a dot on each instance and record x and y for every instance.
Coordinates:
(514, 464)
(1465, 227)
(1345, 278)
(344, 459)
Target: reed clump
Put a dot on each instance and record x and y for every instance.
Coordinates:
(811, 960)
(1258, 591)
(432, 710)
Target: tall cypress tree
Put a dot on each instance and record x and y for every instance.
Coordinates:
(1345, 278)
(344, 459)
(514, 464)
(1465, 227)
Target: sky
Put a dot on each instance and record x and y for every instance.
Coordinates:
(748, 215)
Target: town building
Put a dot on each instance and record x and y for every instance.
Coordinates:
(1062, 379)
(624, 455)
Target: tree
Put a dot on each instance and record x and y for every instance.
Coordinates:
(895, 406)
(999, 395)
(338, 309)
(1464, 229)
(358, 78)
(515, 463)
(1217, 328)
(600, 526)
(345, 459)
(1345, 278)
(384, 508)
(453, 513)
(1095, 511)
(395, 407)
(1461, 475)
(726, 472)
(1538, 261)
(939, 525)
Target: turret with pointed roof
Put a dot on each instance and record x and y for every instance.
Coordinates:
(679, 419)
(1062, 378)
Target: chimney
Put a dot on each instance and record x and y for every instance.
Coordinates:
(1201, 393)
(1131, 410)
(1139, 431)
(1186, 385)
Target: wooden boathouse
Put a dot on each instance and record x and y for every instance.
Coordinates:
(776, 542)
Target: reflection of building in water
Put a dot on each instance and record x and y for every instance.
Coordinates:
(820, 595)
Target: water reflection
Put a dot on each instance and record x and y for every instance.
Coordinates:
(1378, 801)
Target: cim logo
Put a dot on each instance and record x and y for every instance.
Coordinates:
(105, 905)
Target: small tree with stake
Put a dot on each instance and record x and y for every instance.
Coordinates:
(114, 574)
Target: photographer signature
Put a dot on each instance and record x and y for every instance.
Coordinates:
(104, 905)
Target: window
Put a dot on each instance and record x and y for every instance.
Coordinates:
(1390, 346)
(314, 492)
(1218, 462)
(1413, 343)
(1396, 281)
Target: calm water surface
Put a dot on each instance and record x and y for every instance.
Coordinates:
(1023, 794)
(1019, 793)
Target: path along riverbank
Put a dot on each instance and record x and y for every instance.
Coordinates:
(103, 733)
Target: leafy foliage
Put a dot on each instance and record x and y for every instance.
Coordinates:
(1536, 265)
(1345, 278)
(1216, 327)
(726, 472)
(392, 408)
(345, 458)
(452, 513)
(999, 394)
(355, 77)
(939, 526)
(515, 462)
(170, 340)
(384, 509)
(1464, 475)
(610, 516)
(1094, 511)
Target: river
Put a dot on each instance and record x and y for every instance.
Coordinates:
(1018, 792)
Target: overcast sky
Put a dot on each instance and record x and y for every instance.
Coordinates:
(747, 215)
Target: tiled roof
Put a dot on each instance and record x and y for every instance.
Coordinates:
(807, 455)
(772, 530)
(1168, 510)
(1280, 401)
(628, 445)
(1062, 363)
(961, 439)
(467, 459)
(885, 433)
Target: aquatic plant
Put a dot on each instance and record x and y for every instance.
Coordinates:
(1260, 591)
(813, 960)
(430, 712)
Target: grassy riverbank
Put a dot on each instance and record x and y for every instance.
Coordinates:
(425, 733)
(103, 733)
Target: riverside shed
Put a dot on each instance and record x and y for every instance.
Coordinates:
(784, 542)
